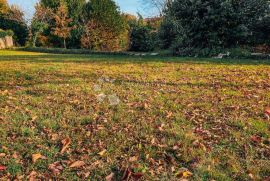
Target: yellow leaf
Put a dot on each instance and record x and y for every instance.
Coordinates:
(34, 118)
(102, 152)
(187, 174)
(37, 156)
(77, 164)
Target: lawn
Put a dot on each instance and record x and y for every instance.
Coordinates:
(97, 117)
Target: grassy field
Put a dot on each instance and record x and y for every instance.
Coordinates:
(94, 117)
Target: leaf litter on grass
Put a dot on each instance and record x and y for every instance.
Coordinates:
(192, 121)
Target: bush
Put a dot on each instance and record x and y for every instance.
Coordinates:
(5, 33)
(142, 39)
(69, 51)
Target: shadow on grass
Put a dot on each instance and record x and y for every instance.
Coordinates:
(122, 59)
(202, 84)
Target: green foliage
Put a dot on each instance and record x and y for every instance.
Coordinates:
(142, 39)
(104, 26)
(204, 26)
(166, 29)
(52, 4)
(106, 12)
(11, 18)
(142, 36)
(6, 33)
(20, 29)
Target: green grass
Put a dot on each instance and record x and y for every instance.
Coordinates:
(175, 114)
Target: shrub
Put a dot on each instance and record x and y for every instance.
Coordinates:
(142, 39)
(6, 33)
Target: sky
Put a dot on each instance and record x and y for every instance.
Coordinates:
(129, 6)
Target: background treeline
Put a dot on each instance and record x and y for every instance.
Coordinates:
(97, 25)
(205, 27)
(184, 27)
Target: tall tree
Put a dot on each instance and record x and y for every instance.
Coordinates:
(62, 27)
(40, 21)
(102, 18)
(4, 8)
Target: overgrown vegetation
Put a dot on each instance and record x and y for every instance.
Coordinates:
(202, 119)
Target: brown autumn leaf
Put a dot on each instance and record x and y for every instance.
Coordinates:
(126, 175)
(256, 139)
(37, 156)
(65, 142)
(133, 159)
(169, 114)
(77, 164)
(136, 176)
(56, 168)
(110, 177)
(267, 112)
(130, 175)
(2, 168)
(32, 176)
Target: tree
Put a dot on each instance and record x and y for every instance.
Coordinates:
(12, 18)
(158, 6)
(104, 25)
(3, 7)
(142, 36)
(62, 27)
(40, 21)
(51, 4)
(202, 27)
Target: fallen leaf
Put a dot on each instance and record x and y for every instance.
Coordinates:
(133, 159)
(184, 173)
(102, 152)
(110, 177)
(65, 142)
(126, 175)
(187, 174)
(37, 156)
(34, 118)
(77, 164)
(169, 114)
(2, 154)
(32, 176)
(2, 168)
(56, 168)
(136, 176)
(256, 139)
(267, 112)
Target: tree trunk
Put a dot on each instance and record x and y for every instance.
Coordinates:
(34, 40)
(65, 46)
